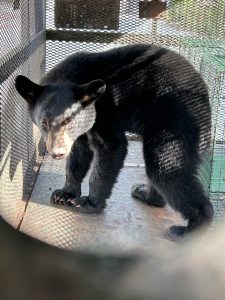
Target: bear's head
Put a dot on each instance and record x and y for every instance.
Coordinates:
(63, 111)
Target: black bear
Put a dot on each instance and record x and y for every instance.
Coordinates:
(86, 104)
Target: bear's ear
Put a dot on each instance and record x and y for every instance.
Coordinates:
(92, 91)
(28, 89)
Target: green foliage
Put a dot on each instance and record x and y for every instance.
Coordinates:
(203, 17)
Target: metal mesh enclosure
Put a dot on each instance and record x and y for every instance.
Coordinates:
(22, 42)
(196, 28)
(126, 23)
(129, 21)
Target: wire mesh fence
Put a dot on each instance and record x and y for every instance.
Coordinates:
(196, 28)
(22, 40)
(209, 59)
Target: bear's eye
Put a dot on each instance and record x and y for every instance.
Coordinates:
(44, 125)
(65, 122)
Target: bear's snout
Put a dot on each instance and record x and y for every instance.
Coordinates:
(59, 153)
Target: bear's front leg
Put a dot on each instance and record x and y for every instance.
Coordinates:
(77, 165)
(108, 160)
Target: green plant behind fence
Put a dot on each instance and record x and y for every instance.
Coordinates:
(200, 17)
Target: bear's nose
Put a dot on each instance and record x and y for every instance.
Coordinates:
(59, 153)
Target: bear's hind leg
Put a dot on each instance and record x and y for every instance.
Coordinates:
(186, 196)
(172, 169)
(190, 200)
(148, 194)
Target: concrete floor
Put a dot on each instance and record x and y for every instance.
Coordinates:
(125, 225)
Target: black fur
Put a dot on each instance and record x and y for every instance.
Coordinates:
(151, 91)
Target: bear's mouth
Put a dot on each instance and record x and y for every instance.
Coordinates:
(59, 153)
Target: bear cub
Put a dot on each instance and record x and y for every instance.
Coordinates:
(86, 104)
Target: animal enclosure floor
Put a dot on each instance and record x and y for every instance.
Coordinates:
(126, 224)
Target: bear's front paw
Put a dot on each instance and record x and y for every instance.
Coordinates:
(62, 197)
(81, 204)
(85, 205)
